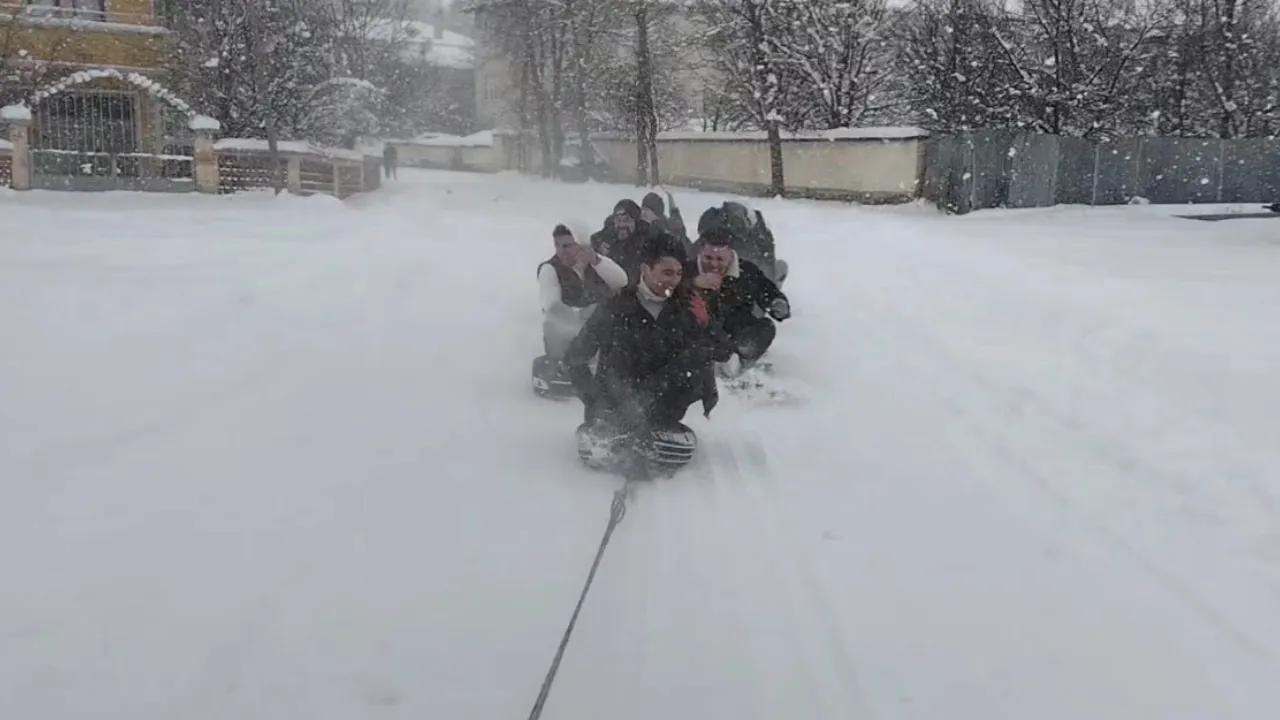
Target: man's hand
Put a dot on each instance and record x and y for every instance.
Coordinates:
(708, 281)
(780, 309)
(588, 255)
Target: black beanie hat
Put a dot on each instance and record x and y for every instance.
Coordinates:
(654, 202)
(716, 236)
(628, 207)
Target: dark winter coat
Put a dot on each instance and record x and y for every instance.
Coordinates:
(745, 288)
(663, 363)
(670, 223)
(575, 291)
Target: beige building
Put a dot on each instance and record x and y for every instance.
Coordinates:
(91, 75)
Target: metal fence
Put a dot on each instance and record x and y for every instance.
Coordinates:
(996, 168)
(105, 140)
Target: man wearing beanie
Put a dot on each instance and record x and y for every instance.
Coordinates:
(624, 233)
(653, 210)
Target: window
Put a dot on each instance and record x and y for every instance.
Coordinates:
(81, 9)
(165, 12)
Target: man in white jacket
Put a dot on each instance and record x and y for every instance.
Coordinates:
(571, 284)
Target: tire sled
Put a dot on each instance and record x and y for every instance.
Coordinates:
(657, 452)
(550, 379)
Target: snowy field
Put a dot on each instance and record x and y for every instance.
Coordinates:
(272, 459)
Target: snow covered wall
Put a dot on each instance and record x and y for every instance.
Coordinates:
(870, 165)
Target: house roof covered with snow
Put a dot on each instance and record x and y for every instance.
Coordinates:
(449, 49)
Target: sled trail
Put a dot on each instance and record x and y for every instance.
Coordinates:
(705, 609)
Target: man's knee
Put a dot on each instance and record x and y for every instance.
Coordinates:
(754, 339)
(556, 340)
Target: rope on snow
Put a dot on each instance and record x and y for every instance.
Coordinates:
(617, 511)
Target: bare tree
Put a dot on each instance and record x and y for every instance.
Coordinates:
(646, 114)
(950, 67)
(1070, 63)
(1236, 44)
(836, 54)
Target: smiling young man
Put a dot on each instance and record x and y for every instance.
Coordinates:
(740, 297)
(656, 346)
(570, 286)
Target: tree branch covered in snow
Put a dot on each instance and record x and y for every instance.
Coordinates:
(1094, 67)
(334, 70)
(835, 56)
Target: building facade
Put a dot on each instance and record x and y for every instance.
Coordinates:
(91, 73)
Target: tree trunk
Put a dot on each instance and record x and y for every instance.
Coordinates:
(1228, 34)
(642, 150)
(777, 181)
(766, 83)
(532, 59)
(257, 26)
(646, 113)
(557, 98)
(580, 25)
(523, 144)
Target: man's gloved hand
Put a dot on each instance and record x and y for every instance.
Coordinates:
(780, 309)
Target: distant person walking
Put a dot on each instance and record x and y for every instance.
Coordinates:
(389, 160)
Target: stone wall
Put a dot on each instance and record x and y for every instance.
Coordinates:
(869, 165)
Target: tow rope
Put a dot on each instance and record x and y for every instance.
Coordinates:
(617, 511)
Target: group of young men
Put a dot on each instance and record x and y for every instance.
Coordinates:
(657, 311)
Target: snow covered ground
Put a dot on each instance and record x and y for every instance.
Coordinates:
(278, 458)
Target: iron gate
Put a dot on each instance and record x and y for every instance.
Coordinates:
(110, 140)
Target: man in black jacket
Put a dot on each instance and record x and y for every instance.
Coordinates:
(622, 236)
(653, 210)
(750, 235)
(656, 344)
(735, 289)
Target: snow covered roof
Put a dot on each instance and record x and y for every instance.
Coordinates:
(484, 138)
(452, 49)
(6, 145)
(205, 123)
(298, 147)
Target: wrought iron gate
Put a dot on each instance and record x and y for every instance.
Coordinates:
(110, 140)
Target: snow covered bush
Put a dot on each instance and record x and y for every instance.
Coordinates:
(343, 109)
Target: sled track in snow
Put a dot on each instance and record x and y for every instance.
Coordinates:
(711, 606)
